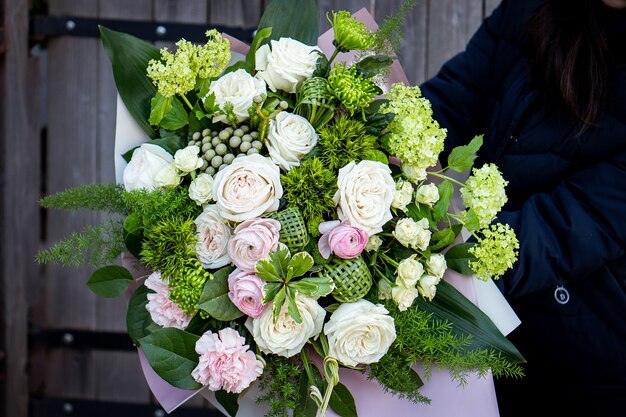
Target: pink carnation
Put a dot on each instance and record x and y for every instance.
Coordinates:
(343, 240)
(253, 240)
(164, 311)
(245, 290)
(225, 362)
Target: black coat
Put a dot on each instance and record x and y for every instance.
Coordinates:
(567, 204)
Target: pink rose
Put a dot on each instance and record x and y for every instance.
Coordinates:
(164, 311)
(343, 240)
(226, 362)
(245, 290)
(253, 240)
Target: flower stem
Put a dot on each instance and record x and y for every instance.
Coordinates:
(333, 56)
(388, 259)
(187, 101)
(445, 177)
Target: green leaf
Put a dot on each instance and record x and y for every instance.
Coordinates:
(170, 143)
(260, 36)
(279, 300)
(199, 326)
(319, 286)
(139, 324)
(129, 58)
(133, 234)
(299, 265)
(202, 87)
(228, 400)
(292, 306)
(176, 118)
(458, 257)
(462, 157)
(443, 238)
(421, 211)
(266, 270)
(298, 20)
(373, 65)
(342, 401)
(129, 154)
(214, 298)
(239, 65)
(198, 120)
(471, 220)
(110, 281)
(446, 190)
(377, 155)
(159, 107)
(172, 354)
(270, 290)
(306, 406)
(322, 66)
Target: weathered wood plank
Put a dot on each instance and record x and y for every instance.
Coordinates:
(19, 212)
(237, 13)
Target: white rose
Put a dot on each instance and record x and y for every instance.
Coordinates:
(213, 235)
(384, 290)
(187, 159)
(288, 63)
(404, 296)
(144, 165)
(239, 89)
(403, 195)
(201, 189)
(359, 333)
(413, 173)
(247, 188)
(423, 236)
(373, 243)
(365, 194)
(409, 271)
(289, 138)
(168, 176)
(413, 234)
(427, 286)
(437, 265)
(284, 336)
(427, 194)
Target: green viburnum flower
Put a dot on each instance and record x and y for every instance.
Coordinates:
(484, 193)
(350, 34)
(350, 87)
(413, 135)
(495, 252)
(176, 73)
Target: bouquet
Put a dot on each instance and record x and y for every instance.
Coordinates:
(292, 219)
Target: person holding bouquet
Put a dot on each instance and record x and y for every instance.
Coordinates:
(545, 81)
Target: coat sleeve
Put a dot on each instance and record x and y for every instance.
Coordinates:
(571, 232)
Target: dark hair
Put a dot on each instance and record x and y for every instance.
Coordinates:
(569, 56)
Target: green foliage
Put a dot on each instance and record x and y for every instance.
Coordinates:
(344, 141)
(97, 197)
(152, 206)
(110, 281)
(214, 299)
(292, 19)
(462, 157)
(390, 34)
(279, 384)
(94, 245)
(310, 187)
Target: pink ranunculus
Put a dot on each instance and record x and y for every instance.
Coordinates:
(226, 362)
(245, 290)
(164, 311)
(253, 240)
(345, 241)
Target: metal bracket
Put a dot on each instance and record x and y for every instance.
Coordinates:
(43, 27)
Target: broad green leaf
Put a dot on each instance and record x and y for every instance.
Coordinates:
(462, 157)
(373, 65)
(377, 155)
(279, 300)
(421, 211)
(471, 220)
(260, 36)
(299, 265)
(133, 234)
(214, 298)
(306, 406)
(228, 400)
(199, 326)
(319, 286)
(292, 306)
(171, 143)
(198, 121)
(239, 65)
(265, 269)
(129, 58)
(322, 66)
(270, 290)
(280, 259)
(458, 257)
(445, 237)
(176, 118)
(129, 154)
(446, 190)
(110, 281)
(202, 87)
(172, 354)
(342, 401)
(298, 20)
(139, 324)
(159, 107)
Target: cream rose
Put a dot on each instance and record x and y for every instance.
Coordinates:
(409, 271)
(359, 333)
(437, 265)
(412, 234)
(427, 286)
(213, 235)
(404, 296)
(247, 188)
(289, 138)
(373, 243)
(187, 159)
(147, 161)
(201, 189)
(168, 176)
(403, 195)
(286, 64)
(283, 336)
(365, 194)
(384, 290)
(427, 194)
(239, 89)
(413, 173)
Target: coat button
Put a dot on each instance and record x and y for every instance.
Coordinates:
(561, 295)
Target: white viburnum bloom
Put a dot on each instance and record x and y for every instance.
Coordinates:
(289, 138)
(213, 236)
(147, 161)
(285, 63)
(187, 159)
(167, 177)
(427, 194)
(239, 89)
(384, 290)
(437, 265)
(484, 192)
(409, 271)
(413, 173)
(364, 195)
(283, 336)
(247, 188)
(412, 234)
(359, 333)
(403, 195)
(404, 296)
(201, 189)
(373, 243)
(427, 286)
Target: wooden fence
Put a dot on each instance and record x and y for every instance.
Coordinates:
(57, 129)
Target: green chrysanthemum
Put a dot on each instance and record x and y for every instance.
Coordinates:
(484, 193)
(350, 34)
(496, 252)
(351, 88)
